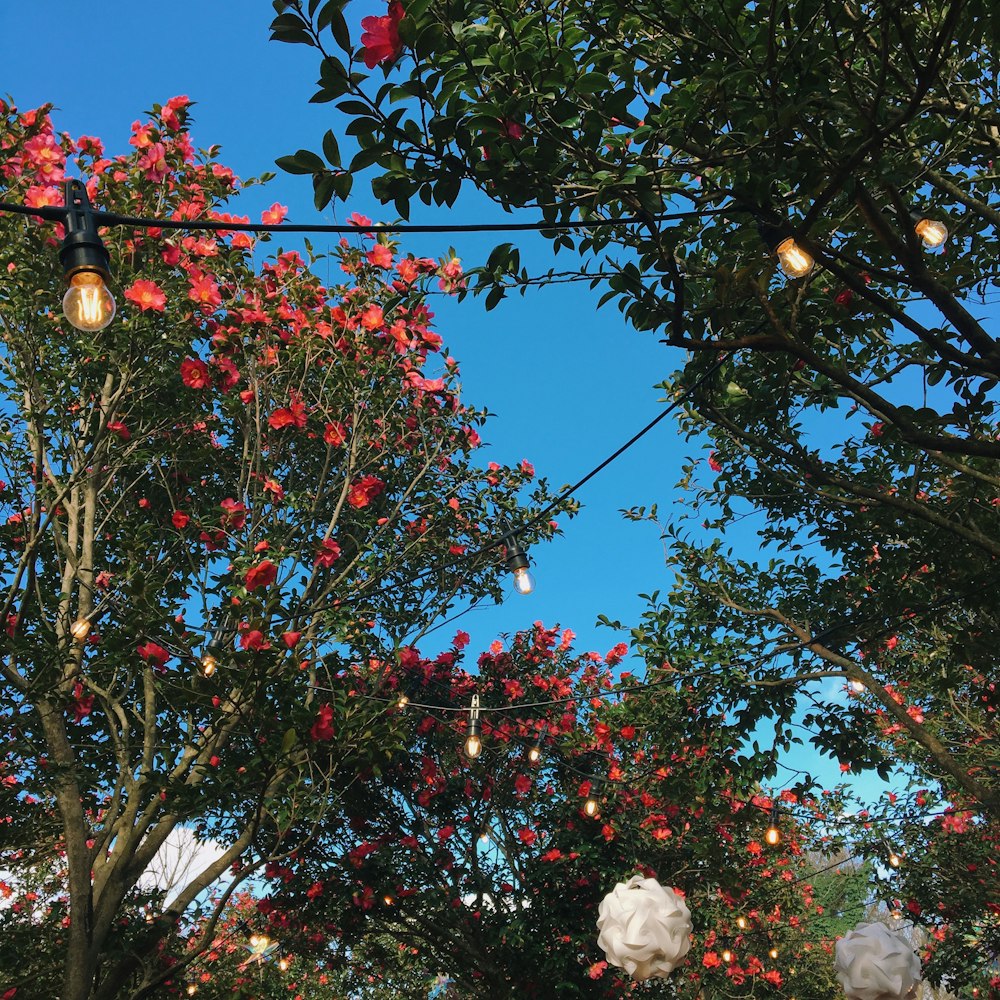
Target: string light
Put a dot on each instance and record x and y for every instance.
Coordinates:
(772, 952)
(792, 259)
(192, 988)
(931, 232)
(402, 702)
(727, 956)
(742, 923)
(534, 754)
(895, 859)
(474, 740)
(209, 662)
(518, 563)
(283, 964)
(81, 628)
(87, 304)
(772, 835)
(592, 806)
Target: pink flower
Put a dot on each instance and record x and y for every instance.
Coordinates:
(234, 514)
(451, 279)
(147, 295)
(274, 215)
(713, 462)
(154, 162)
(380, 256)
(877, 429)
(380, 36)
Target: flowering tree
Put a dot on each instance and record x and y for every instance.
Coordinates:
(211, 510)
(489, 872)
(853, 405)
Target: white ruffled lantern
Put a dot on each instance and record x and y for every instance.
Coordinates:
(644, 928)
(875, 963)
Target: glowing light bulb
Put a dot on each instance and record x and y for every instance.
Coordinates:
(80, 629)
(741, 922)
(792, 259)
(895, 859)
(402, 702)
(473, 746)
(262, 941)
(772, 953)
(474, 742)
(209, 664)
(192, 988)
(254, 940)
(484, 837)
(772, 836)
(524, 582)
(87, 304)
(857, 687)
(931, 232)
(283, 964)
(388, 899)
(590, 807)
(535, 754)
(727, 956)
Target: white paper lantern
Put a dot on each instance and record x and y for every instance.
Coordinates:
(875, 963)
(644, 928)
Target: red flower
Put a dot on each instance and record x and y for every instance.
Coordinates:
(203, 291)
(293, 415)
(153, 653)
(711, 960)
(234, 514)
(291, 639)
(380, 36)
(713, 462)
(253, 639)
(117, 427)
(527, 836)
(335, 434)
(554, 855)
(261, 575)
(364, 491)
(147, 295)
(82, 704)
(322, 728)
(329, 553)
(194, 373)
(179, 519)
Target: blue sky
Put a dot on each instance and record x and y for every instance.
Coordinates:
(567, 383)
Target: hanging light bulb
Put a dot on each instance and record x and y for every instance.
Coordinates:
(80, 629)
(772, 835)
(87, 304)
(741, 922)
(727, 956)
(857, 687)
(484, 836)
(518, 563)
(895, 859)
(254, 940)
(931, 232)
(209, 662)
(192, 988)
(534, 754)
(772, 953)
(402, 701)
(592, 805)
(792, 259)
(474, 739)
(283, 964)
(388, 899)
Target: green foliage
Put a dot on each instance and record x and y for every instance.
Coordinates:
(853, 426)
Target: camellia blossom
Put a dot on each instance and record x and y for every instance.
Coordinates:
(335, 433)
(322, 728)
(329, 553)
(380, 36)
(194, 373)
(261, 575)
(364, 490)
(147, 295)
(154, 654)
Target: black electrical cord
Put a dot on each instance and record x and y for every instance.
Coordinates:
(56, 213)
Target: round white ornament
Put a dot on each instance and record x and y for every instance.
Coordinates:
(644, 928)
(875, 963)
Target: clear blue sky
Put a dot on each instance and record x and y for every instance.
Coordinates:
(568, 384)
